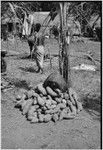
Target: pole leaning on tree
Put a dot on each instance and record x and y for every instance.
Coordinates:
(64, 64)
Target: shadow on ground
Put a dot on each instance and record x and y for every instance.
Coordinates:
(18, 83)
(28, 69)
(93, 107)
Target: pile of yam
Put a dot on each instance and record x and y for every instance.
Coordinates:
(44, 104)
(51, 100)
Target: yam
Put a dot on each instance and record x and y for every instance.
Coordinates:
(39, 110)
(27, 106)
(40, 101)
(32, 109)
(52, 106)
(47, 118)
(23, 104)
(44, 108)
(31, 93)
(41, 118)
(52, 111)
(62, 114)
(48, 104)
(55, 117)
(79, 106)
(58, 91)
(64, 101)
(66, 96)
(69, 116)
(44, 98)
(53, 102)
(73, 96)
(34, 120)
(61, 95)
(51, 92)
(29, 117)
(34, 114)
(41, 89)
(58, 100)
(61, 105)
(35, 101)
(49, 97)
(72, 108)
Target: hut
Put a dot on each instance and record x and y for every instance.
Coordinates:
(8, 26)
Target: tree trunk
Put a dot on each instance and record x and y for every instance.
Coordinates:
(64, 58)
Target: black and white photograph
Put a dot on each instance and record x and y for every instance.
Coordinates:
(51, 74)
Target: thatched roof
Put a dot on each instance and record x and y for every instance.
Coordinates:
(39, 17)
(9, 20)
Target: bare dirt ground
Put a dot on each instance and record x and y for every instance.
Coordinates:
(83, 132)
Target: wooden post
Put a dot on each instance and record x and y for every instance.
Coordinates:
(61, 41)
(15, 40)
(65, 46)
(7, 39)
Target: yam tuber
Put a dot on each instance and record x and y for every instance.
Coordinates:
(61, 105)
(51, 92)
(47, 118)
(40, 101)
(64, 101)
(58, 100)
(34, 101)
(58, 91)
(29, 117)
(55, 117)
(34, 120)
(23, 104)
(41, 89)
(44, 108)
(62, 114)
(31, 93)
(41, 117)
(52, 111)
(52, 106)
(66, 96)
(73, 96)
(79, 106)
(53, 102)
(69, 116)
(27, 106)
(32, 109)
(49, 97)
(72, 108)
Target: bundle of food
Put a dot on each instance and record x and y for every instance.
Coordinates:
(44, 104)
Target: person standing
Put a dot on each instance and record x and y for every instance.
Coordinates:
(39, 52)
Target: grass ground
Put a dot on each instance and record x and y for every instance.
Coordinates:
(81, 132)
